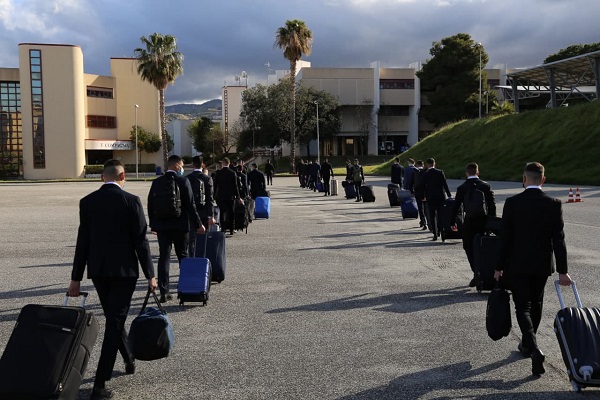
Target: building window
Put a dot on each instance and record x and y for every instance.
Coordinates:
(11, 132)
(396, 84)
(104, 93)
(37, 107)
(493, 82)
(393, 111)
(101, 121)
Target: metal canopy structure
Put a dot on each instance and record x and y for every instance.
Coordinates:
(575, 76)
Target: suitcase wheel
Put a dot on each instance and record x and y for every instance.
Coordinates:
(576, 386)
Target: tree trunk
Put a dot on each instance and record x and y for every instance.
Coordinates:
(163, 129)
(293, 115)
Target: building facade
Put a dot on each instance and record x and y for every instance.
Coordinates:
(55, 119)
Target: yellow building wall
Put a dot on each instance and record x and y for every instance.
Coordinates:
(63, 92)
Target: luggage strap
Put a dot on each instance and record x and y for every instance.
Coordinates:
(153, 292)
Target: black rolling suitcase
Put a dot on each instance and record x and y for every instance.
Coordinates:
(349, 189)
(394, 195)
(367, 194)
(48, 352)
(578, 333)
(486, 253)
(215, 252)
(241, 215)
(446, 228)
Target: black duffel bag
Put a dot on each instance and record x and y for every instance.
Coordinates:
(151, 333)
(497, 316)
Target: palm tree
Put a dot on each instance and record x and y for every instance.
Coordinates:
(160, 63)
(295, 39)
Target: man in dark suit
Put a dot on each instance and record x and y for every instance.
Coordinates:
(172, 230)
(257, 182)
(111, 241)
(532, 230)
(419, 191)
(327, 174)
(397, 172)
(474, 222)
(269, 172)
(409, 171)
(226, 193)
(202, 188)
(436, 188)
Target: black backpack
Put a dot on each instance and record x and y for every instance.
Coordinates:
(474, 202)
(197, 184)
(167, 197)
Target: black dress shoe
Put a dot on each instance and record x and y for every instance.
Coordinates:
(526, 352)
(434, 238)
(165, 297)
(130, 368)
(473, 282)
(537, 362)
(99, 393)
(424, 228)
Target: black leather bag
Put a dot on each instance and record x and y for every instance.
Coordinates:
(497, 316)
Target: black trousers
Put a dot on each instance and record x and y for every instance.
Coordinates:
(269, 179)
(227, 216)
(357, 186)
(166, 240)
(423, 220)
(115, 298)
(528, 296)
(470, 228)
(326, 184)
(435, 212)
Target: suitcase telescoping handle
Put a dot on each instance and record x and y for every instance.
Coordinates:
(560, 297)
(83, 294)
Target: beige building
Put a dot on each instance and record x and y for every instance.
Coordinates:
(55, 118)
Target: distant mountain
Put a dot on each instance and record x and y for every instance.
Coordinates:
(193, 111)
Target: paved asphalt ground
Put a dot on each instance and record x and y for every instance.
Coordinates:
(328, 299)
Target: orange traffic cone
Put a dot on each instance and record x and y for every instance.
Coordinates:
(578, 196)
(570, 199)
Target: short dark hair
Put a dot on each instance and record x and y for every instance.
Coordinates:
(430, 161)
(419, 163)
(472, 168)
(397, 159)
(174, 159)
(410, 160)
(254, 165)
(239, 168)
(225, 160)
(534, 171)
(197, 161)
(112, 168)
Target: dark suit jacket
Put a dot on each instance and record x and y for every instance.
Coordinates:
(485, 187)
(532, 230)
(435, 185)
(257, 182)
(226, 185)
(242, 184)
(326, 171)
(397, 174)
(189, 218)
(112, 236)
(417, 183)
(408, 177)
(269, 169)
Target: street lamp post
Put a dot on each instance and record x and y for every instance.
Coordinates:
(136, 143)
(480, 73)
(318, 144)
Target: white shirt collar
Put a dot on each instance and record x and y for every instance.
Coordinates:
(533, 187)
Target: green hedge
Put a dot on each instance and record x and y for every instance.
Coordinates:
(129, 168)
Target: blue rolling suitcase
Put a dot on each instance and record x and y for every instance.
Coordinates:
(262, 207)
(194, 280)
(408, 204)
(349, 190)
(212, 246)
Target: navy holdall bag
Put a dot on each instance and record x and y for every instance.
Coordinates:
(151, 333)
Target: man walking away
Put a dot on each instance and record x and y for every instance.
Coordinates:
(315, 173)
(172, 213)
(532, 230)
(419, 191)
(112, 241)
(269, 172)
(358, 177)
(226, 193)
(327, 174)
(436, 187)
(256, 181)
(408, 175)
(478, 202)
(202, 188)
(397, 172)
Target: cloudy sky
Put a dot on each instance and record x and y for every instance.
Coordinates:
(222, 38)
